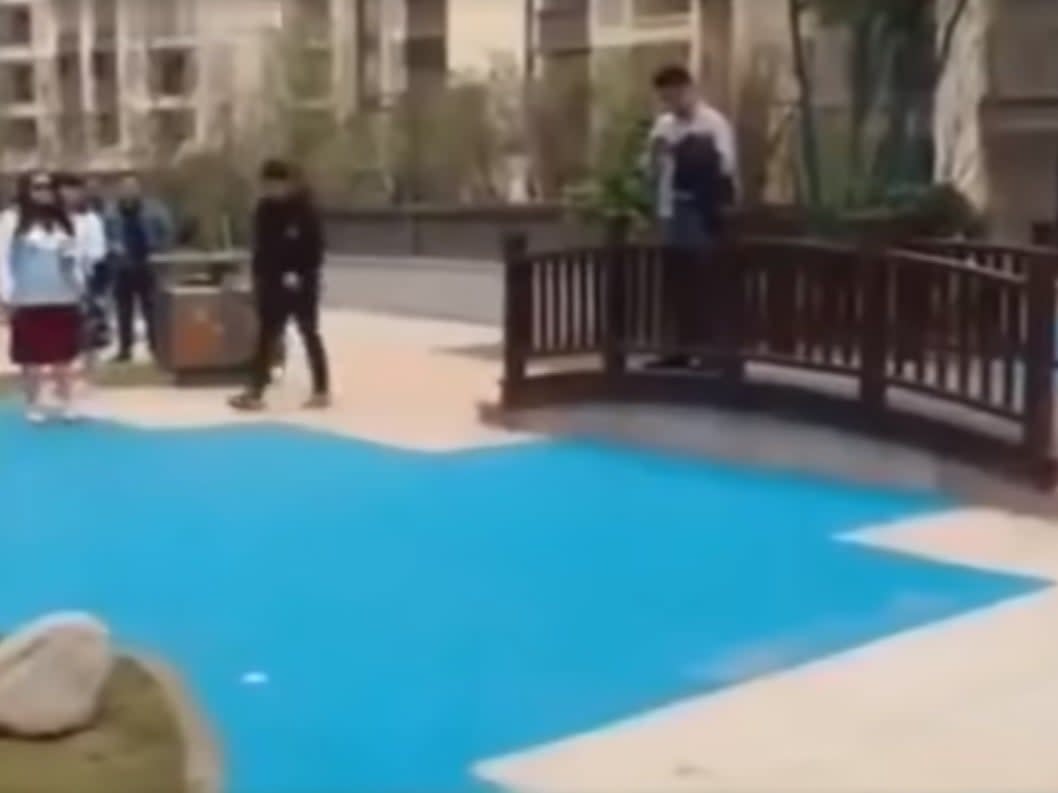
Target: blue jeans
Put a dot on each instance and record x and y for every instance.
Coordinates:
(685, 284)
(687, 228)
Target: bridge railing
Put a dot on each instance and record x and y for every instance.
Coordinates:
(892, 326)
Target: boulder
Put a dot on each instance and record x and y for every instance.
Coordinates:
(52, 674)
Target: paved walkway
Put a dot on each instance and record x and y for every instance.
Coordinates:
(969, 704)
(394, 383)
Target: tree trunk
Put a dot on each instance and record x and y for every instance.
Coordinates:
(810, 164)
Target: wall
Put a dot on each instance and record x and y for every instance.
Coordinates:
(1022, 184)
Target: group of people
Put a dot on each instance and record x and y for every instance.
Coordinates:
(66, 257)
(70, 260)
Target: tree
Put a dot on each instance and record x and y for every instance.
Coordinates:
(809, 137)
(898, 50)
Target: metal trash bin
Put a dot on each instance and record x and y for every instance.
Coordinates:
(205, 317)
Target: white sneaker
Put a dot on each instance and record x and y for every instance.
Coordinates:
(70, 412)
(35, 414)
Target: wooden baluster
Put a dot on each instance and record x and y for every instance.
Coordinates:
(1010, 330)
(518, 313)
(965, 305)
(615, 254)
(733, 307)
(1039, 361)
(587, 292)
(572, 307)
(873, 272)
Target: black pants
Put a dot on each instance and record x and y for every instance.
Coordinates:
(133, 285)
(276, 305)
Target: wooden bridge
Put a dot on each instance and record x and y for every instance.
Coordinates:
(945, 345)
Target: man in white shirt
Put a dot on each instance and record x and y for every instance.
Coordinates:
(692, 161)
(688, 195)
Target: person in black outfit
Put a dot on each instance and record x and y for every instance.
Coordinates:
(288, 251)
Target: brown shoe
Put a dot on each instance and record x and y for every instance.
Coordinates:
(318, 402)
(247, 402)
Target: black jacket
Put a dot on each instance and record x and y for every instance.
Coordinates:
(287, 238)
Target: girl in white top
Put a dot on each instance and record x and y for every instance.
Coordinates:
(40, 288)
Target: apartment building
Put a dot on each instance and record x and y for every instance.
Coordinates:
(996, 124)
(715, 38)
(94, 81)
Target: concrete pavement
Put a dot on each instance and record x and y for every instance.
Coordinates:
(435, 288)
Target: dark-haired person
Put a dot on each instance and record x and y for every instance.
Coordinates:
(92, 254)
(40, 287)
(288, 252)
(693, 164)
(137, 228)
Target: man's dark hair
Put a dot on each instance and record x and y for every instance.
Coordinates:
(68, 179)
(276, 171)
(673, 76)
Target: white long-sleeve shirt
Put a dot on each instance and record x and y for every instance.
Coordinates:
(669, 129)
(90, 238)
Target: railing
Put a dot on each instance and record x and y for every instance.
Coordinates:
(1014, 260)
(941, 348)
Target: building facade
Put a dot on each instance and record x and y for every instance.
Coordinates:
(94, 81)
(997, 115)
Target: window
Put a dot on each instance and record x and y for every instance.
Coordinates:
(310, 74)
(426, 55)
(108, 129)
(172, 73)
(309, 18)
(16, 25)
(18, 82)
(173, 127)
(21, 134)
(105, 72)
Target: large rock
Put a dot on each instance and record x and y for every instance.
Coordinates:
(52, 674)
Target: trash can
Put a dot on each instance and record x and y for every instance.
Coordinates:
(205, 318)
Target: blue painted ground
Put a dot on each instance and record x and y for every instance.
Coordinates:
(416, 613)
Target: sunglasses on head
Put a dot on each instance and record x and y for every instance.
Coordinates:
(40, 185)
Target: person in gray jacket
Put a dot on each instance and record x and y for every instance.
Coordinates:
(137, 228)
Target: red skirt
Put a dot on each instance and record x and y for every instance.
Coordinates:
(45, 335)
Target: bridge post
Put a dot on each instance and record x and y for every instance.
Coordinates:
(1038, 427)
(616, 268)
(874, 332)
(727, 263)
(517, 314)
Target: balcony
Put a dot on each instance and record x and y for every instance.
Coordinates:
(563, 27)
(168, 25)
(172, 76)
(426, 19)
(16, 26)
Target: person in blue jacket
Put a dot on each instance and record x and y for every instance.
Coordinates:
(137, 228)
